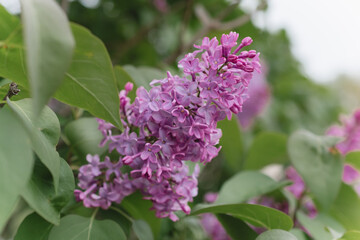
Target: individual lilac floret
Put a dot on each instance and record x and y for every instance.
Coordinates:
(210, 223)
(259, 93)
(173, 122)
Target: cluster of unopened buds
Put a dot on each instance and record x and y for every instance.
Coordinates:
(173, 123)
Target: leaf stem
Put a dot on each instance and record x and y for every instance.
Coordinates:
(122, 213)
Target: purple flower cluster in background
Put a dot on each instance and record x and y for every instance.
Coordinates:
(349, 131)
(175, 121)
(255, 105)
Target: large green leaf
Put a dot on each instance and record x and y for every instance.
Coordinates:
(142, 230)
(346, 208)
(320, 168)
(354, 159)
(352, 235)
(16, 162)
(89, 82)
(256, 215)
(143, 75)
(49, 48)
(40, 143)
(84, 136)
(236, 228)
(231, 143)
(75, 227)
(33, 227)
(40, 193)
(267, 148)
(315, 227)
(7, 25)
(276, 234)
(246, 185)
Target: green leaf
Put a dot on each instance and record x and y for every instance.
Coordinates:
(40, 143)
(352, 235)
(246, 185)
(276, 234)
(323, 178)
(49, 48)
(256, 215)
(231, 142)
(139, 208)
(89, 82)
(16, 162)
(299, 234)
(40, 193)
(80, 228)
(143, 75)
(353, 158)
(122, 77)
(7, 24)
(346, 208)
(84, 136)
(267, 148)
(236, 228)
(33, 227)
(142, 230)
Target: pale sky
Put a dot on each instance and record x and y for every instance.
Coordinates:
(325, 34)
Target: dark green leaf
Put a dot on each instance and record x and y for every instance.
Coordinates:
(346, 208)
(246, 185)
(84, 136)
(231, 142)
(49, 48)
(40, 143)
(33, 227)
(276, 234)
(354, 159)
(40, 193)
(142, 230)
(75, 227)
(16, 162)
(256, 215)
(323, 178)
(236, 228)
(267, 148)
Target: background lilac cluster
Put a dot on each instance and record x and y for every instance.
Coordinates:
(175, 121)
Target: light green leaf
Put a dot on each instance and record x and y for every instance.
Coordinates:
(246, 185)
(352, 235)
(256, 215)
(276, 234)
(73, 227)
(346, 208)
(299, 234)
(143, 75)
(89, 82)
(33, 227)
(267, 148)
(353, 158)
(231, 142)
(84, 136)
(49, 47)
(16, 162)
(40, 143)
(40, 193)
(142, 230)
(318, 166)
(236, 228)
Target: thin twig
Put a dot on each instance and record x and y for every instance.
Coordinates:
(13, 90)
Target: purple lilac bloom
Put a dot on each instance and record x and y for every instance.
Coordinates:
(349, 131)
(209, 222)
(174, 122)
(259, 93)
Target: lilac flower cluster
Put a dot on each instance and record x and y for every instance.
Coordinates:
(349, 131)
(174, 122)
